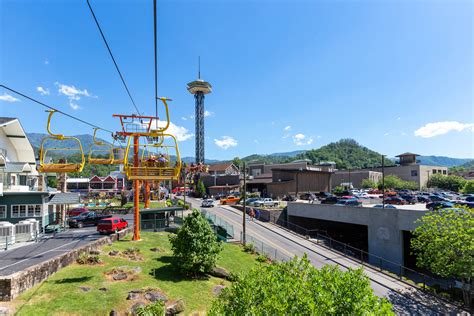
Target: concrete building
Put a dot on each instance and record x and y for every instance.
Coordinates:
(381, 232)
(408, 169)
(221, 174)
(355, 177)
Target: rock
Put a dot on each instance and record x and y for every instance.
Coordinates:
(114, 253)
(133, 296)
(103, 289)
(219, 273)
(4, 311)
(136, 291)
(175, 308)
(135, 270)
(154, 296)
(85, 288)
(95, 252)
(113, 313)
(155, 249)
(135, 306)
(216, 290)
(119, 276)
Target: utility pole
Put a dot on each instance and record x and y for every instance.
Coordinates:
(136, 188)
(245, 204)
(383, 181)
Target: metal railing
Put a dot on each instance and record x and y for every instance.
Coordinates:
(264, 249)
(393, 269)
(222, 228)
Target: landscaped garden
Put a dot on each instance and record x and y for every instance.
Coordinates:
(91, 289)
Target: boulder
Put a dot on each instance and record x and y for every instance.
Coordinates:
(119, 276)
(113, 313)
(133, 296)
(85, 288)
(175, 308)
(154, 296)
(4, 311)
(95, 252)
(155, 249)
(219, 273)
(114, 253)
(103, 289)
(135, 306)
(216, 290)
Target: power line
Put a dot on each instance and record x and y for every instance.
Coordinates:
(112, 56)
(51, 108)
(156, 60)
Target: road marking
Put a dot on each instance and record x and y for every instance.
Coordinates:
(39, 254)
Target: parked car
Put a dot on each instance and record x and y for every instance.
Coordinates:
(437, 198)
(86, 219)
(423, 199)
(410, 199)
(267, 202)
(76, 211)
(468, 204)
(382, 206)
(289, 198)
(52, 228)
(330, 200)
(207, 203)
(470, 199)
(395, 200)
(439, 204)
(348, 202)
(323, 195)
(307, 196)
(111, 225)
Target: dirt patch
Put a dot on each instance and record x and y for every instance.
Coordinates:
(132, 254)
(123, 274)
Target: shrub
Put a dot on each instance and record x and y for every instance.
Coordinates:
(154, 309)
(250, 248)
(262, 258)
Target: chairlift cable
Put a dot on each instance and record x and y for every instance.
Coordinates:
(112, 56)
(156, 63)
(51, 108)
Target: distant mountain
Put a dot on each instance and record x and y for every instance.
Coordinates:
(443, 161)
(86, 140)
(289, 154)
(347, 154)
(191, 159)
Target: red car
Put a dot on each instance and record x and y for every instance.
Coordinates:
(395, 200)
(77, 211)
(111, 225)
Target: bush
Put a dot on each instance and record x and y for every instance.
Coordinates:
(298, 288)
(262, 258)
(154, 309)
(131, 251)
(195, 246)
(86, 258)
(250, 248)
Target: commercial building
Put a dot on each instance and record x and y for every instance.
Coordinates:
(221, 174)
(354, 178)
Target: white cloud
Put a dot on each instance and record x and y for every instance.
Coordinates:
(288, 128)
(72, 92)
(8, 98)
(181, 133)
(403, 134)
(256, 141)
(208, 113)
(42, 90)
(184, 118)
(399, 118)
(301, 139)
(74, 106)
(191, 117)
(46, 62)
(225, 142)
(386, 134)
(441, 128)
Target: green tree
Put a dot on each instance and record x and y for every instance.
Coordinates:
(195, 246)
(444, 182)
(368, 184)
(52, 182)
(468, 187)
(444, 244)
(394, 182)
(200, 189)
(298, 288)
(237, 162)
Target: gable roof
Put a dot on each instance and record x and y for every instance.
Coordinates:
(407, 154)
(4, 120)
(221, 166)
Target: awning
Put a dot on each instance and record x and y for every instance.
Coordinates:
(64, 198)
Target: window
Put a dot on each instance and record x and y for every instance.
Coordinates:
(22, 180)
(414, 173)
(434, 171)
(33, 210)
(444, 171)
(3, 211)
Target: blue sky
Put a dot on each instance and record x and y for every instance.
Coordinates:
(396, 76)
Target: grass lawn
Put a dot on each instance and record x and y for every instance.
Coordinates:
(153, 204)
(61, 295)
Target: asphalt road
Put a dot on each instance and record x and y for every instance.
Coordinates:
(405, 298)
(20, 258)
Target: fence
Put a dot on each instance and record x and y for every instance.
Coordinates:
(405, 274)
(222, 228)
(264, 249)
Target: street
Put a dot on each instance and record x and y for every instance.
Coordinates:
(405, 298)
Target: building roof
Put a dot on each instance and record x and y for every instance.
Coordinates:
(302, 170)
(64, 198)
(220, 166)
(224, 186)
(407, 154)
(260, 181)
(4, 120)
(77, 180)
(15, 133)
(18, 167)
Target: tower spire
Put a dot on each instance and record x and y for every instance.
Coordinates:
(199, 67)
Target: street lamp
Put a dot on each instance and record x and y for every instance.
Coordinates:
(383, 181)
(244, 204)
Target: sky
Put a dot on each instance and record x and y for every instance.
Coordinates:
(396, 76)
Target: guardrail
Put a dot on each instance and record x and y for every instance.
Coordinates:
(222, 228)
(264, 249)
(404, 274)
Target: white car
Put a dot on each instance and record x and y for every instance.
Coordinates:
(265, 202)
(207, 203)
